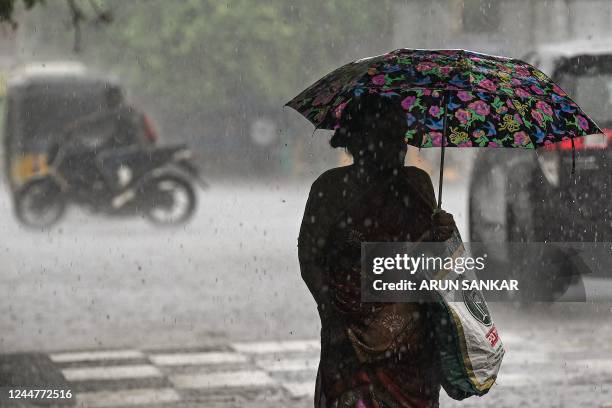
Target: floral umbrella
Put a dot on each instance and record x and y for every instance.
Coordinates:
(454, 98)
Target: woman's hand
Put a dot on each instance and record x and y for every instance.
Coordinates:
(443, 225)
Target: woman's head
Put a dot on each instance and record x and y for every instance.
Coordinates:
(372, 129)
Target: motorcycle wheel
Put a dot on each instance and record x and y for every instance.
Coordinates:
(39, 204)
(170, 200)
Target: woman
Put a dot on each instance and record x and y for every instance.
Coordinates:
(372, 354)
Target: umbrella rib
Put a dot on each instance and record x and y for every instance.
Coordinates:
(398, 88)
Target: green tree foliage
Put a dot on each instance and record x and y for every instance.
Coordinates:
(206, 65)
(213, 54)
(7, 8)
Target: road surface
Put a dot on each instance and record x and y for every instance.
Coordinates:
(215, 313)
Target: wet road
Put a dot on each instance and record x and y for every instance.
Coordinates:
(219, 290)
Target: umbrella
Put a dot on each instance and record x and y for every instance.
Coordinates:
(454, 98)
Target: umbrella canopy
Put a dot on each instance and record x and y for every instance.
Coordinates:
(453, 98)
(490, 101)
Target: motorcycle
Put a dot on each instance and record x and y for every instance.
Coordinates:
(153, 182)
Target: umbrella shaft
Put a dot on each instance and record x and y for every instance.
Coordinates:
(444, 132)
(441, 176)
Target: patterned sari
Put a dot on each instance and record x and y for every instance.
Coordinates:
(372, 354)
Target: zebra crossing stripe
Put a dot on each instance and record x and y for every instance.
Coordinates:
(300, 389)
(298, 364)
(195, 358)
(249, 378)
(96, 356)
(111, 372)
(525, 358)
(569, 372)
(144, 396)
(525, 379)
(266, 347)
(592, 365)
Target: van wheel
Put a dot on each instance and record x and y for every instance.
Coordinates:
(544, 274)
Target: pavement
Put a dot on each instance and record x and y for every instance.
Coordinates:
(575, 372)
(214, 314)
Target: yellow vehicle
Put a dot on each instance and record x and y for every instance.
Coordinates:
(70, 137)
(39, 102)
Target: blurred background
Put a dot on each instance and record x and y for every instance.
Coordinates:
(204, 304)
(174, 59)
